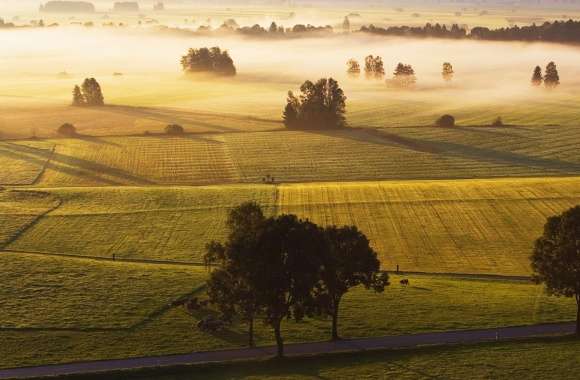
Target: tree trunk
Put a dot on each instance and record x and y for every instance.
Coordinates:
(578, 316)
(279, 340)
(251, 342)
(335, 321)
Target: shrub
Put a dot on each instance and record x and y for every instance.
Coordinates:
(445, 121)
(174, 129)
(497, 122)
(67, 129)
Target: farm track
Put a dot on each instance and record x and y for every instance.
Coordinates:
(297, 350)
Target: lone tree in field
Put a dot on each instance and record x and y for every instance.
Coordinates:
(321, 105)
(209, 60)
(353, 67)
(78, 98)
(556, 257)
(374, 67)
(92, 95)
(404, 76)
(447, 72)
(346, 25)
(349, 261)
(537, 77)
(551, 77)
(232, 285)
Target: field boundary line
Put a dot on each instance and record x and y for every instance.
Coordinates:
(108, 259)
(25, 227)
(394, 342)
(149, 318)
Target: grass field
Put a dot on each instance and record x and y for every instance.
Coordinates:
(470, 226)
(66, 309)
(292, 156)
(534, 359)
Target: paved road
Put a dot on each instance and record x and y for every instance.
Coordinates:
(298, 349)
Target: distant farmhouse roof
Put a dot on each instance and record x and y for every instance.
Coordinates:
(126, 6)
(68, 7)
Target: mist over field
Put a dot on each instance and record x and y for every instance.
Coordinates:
(486, 73)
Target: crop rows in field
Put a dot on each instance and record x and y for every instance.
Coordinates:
(18, 209)
(291, 156)
(471, 226)
(140, 223)
(22, 163)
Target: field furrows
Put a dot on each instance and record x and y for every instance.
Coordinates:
(469, 226)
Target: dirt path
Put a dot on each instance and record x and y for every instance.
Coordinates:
(298, 349)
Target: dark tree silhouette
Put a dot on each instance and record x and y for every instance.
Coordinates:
(346, 25)
(537, 77)
(445, 121)
(551, 77)
(349, 261)
(78, 98)
(447, 72)
(353, 67)
(212, 60)
(232, 285)
(556, 257)
(404, 76)
(289, 265)
(321, 105)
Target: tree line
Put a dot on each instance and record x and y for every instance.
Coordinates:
(284, 267)
(556, 31)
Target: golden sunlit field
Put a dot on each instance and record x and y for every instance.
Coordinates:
(103, 231)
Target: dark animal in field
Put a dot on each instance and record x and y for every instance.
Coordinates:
(211, 324)
(404, 282)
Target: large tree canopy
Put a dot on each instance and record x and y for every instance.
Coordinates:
(556, 256)
(321, 105)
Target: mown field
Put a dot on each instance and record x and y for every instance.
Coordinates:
(21, 209)
(67, 309)
(469, 226)
(294, 156)
(536, 359)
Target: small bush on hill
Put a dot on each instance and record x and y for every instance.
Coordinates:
(67, 130)
(174, 129)
(445, 121)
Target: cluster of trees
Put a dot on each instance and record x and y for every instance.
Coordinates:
(174, 130)
(556, 257)
(557, 31)
(551, 78)
(320, 105)
(88, 94)
(286, 268)
(429, 30)
(212, 60)
(230, 26)
(5, 25)
(67, 130)
(374, 67)
(67, 7)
